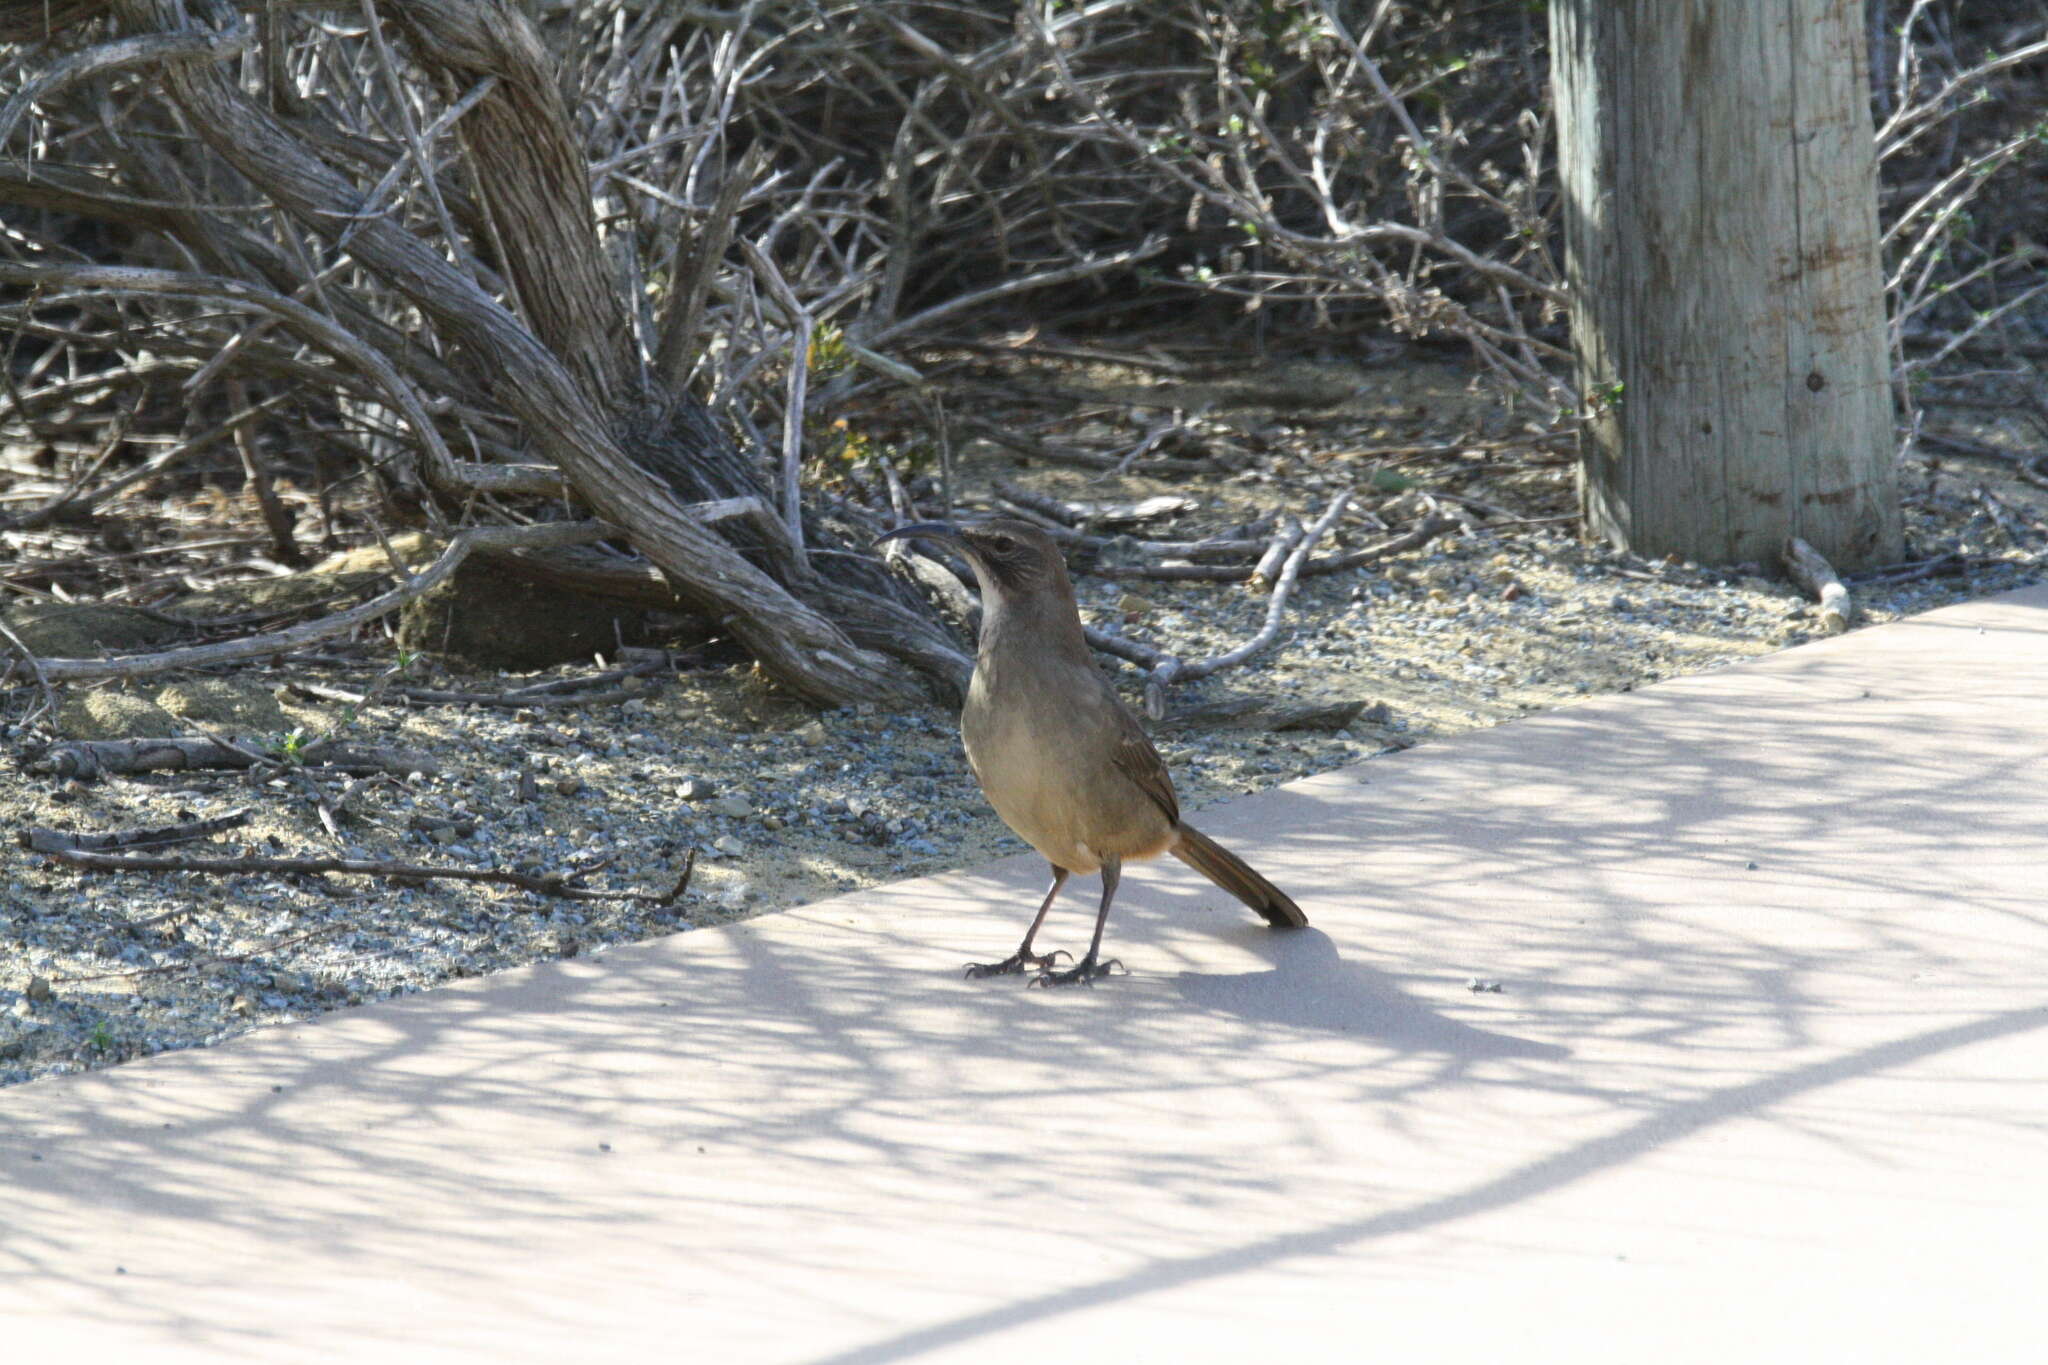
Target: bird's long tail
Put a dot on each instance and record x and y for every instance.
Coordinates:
(1235, 875)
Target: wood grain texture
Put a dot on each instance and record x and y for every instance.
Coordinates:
(1717, 168)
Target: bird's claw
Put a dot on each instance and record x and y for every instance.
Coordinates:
(1015, 963)
(1086, 972)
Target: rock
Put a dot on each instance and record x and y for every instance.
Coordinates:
(225, 704)
(729, 846)
(108, 714)
(812, 734)
(16, 1039)
(484, 616)
(732, 807)
(696, 789)
(38, 990)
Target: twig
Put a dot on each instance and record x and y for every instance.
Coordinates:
(39, 840)
(35, 668)
(430, 696)
(1066, 274)
(256, 646)
(801, 325)
(1131, 651)
(1285, 541)
(1088, 459)
(87, 759)
(558, 884)
(1429, 529)
(1170, 671)
(677, 351)
(1096, 513)
(1938, 567)
(2029, 466)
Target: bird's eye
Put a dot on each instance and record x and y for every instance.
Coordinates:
(1002, 542)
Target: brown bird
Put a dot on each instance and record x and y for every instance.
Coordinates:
(1059, 755)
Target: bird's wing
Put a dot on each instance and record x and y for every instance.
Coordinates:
(1136, 759)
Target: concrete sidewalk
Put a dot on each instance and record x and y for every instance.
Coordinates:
(1767, 1080)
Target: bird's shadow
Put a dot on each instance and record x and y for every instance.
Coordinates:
(1311, 986)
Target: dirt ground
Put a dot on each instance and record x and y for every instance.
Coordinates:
(1507, 614)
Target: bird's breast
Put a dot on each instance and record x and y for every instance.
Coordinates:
(1040, 744)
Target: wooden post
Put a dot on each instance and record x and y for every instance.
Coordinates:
(1718, 175)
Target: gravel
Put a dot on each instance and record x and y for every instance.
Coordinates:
(783, 805)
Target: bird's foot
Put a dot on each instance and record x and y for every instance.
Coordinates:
(1086, 972)
(1015, 963)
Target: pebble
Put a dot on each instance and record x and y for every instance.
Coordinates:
(831, 803)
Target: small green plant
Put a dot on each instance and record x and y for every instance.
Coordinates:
(292, 747)
(101, 1038)
(829, 353)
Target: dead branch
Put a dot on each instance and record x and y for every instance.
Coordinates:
(1170, 670)
(48, 703)
(432, 696)
(1096, 513)
(560, 885)
(1817, 578)
(90, 759)
(292, 637)
(1414, 538)
(40, 840)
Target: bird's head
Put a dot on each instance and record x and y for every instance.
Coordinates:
(1013, 558)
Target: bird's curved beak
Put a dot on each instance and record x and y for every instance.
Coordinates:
(921, 530)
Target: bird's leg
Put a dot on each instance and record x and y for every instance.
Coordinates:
(1024, 957)
(1089, 969)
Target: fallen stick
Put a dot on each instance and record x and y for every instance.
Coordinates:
(1429, 529)
(291, 637)
(87, 759)
(39, 840)
(35, 668)
(1095, 513)
(1279, 553)
(557, 884)
(1132, 651)
(1170, 670)
(1940, 566)
(1818, 579)
(432, 696)
(1088, 459)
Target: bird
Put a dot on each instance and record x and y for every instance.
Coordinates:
(1058, 754)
